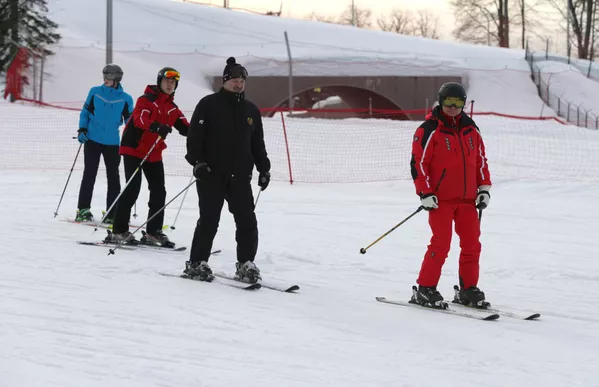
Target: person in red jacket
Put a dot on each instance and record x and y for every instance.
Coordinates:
(451, 175)
(154, 116)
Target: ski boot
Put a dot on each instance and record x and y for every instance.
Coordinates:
(84, 215)
(198, 271)
(125, 238)
(247, 272)
(471, 296)
(156, 239)
(427, 296)
(109, 220)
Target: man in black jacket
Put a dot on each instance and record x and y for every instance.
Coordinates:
(224, 142)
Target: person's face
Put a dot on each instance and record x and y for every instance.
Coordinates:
(167, 85)
(235, 85)
(108, 83)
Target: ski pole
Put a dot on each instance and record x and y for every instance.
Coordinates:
(480, 215)
(363, 250)
(257, 197)
(181, 205)
(69, 178)
(111, 251)
(128, 182)
(135, 210)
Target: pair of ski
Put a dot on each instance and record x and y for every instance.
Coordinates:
(230, 280)
(135, 247)
(484, 314)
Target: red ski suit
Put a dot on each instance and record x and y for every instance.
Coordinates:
(452, 148)
(152, 108)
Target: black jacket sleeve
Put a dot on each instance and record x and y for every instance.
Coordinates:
(258, 147)
(196, 134)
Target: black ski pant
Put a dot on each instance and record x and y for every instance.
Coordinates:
(91, 156)
(154, 173)
(212, 193)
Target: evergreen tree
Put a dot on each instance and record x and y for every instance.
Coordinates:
(23, 23)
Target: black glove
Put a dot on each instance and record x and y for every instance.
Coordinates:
(162, 129)
(201, 171)
(263, 180)
(483, 197)
(82, 136)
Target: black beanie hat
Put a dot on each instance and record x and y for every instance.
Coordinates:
(234, 70)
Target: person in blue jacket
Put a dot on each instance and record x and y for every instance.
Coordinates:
(106, 108)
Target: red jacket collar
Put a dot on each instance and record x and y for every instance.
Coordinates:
(160, 96)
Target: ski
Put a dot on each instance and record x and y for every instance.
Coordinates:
(102, 244)
(139, 246)
(132, 247)
(488, 308)
(481, 316)
(265, 284)
(234, 284)
(106, 226)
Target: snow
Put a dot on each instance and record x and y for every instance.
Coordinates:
(197, 40)
(71, 315)
(558, 80)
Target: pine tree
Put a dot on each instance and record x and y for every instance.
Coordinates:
(23, 23)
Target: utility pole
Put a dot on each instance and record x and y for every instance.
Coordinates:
(108, 31)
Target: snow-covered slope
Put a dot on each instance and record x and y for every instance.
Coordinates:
(196, 39)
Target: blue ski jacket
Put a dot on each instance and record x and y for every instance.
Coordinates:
(105, 109)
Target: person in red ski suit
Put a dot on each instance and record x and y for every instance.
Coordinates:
(154, 116)
(451, 176)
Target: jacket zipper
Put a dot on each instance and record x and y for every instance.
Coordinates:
(463, 155)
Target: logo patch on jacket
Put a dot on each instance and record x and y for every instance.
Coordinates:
(416, 139)
(447, 142)
(471, 145)
(250, 121)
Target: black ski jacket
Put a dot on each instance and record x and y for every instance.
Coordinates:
(226, 132)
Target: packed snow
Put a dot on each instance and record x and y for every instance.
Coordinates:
(71, 315)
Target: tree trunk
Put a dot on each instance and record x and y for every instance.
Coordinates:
(523, 15)
(14, 33)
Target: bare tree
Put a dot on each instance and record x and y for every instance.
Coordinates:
(480, 20)
(360, 17)
(425, 23)
(399, 21)
(325, 19)
(581, 19)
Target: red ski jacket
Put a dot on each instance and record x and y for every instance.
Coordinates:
(152, 108)
(453, 145)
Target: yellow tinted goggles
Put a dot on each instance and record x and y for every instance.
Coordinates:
(454, 102)
(170, 74)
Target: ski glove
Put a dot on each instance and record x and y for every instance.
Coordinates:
(162, 129)
(201, 171)
(263, 180)
(82, 137)
(429, 201)
(483, 197)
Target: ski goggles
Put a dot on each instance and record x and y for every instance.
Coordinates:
(456, 102)
(112, 76)
(172, 74)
